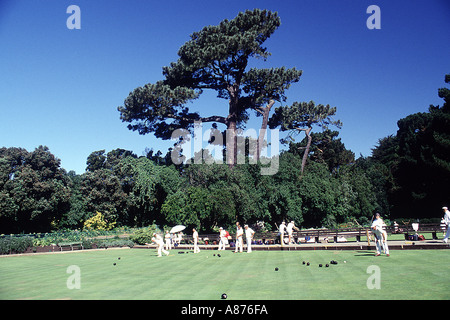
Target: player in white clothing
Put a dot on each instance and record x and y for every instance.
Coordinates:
(195, 237)
(290, 229)
(168, 239)
(380, 235)
(239, 234)
(282, 230)
(249, 236)
(223, 239)
(160, 243)
(447, 223)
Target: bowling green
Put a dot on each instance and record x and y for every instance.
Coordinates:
(140, 274)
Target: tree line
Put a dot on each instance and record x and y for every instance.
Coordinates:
(407, 175)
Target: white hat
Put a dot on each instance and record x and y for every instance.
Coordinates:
(444, 208)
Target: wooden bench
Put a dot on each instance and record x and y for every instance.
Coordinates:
(71, 245)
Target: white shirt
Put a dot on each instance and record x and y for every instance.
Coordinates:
(378, 224)
(249, 232)
(157, 239)
(290, 226)
(239, 232)
(195, 235)
(282, 228)
(447, 217)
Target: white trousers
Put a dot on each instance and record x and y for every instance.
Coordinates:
(168, 244)
(222, 243)
(196, 248)
(239, 245)
(161, 249)
(381, 241)
(447, 235)
(249, 244)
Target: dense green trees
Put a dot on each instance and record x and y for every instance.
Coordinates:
(416, 161)
(34, 190)
(131, 191)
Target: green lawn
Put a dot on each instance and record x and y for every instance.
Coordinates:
(140, 274)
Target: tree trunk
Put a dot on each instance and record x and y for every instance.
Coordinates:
(262, 132)
(308, 145)
(231, 136)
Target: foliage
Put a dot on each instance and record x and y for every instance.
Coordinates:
(215, 58)
(301, 117)
(98, 222)
(111, 243)
(144, 235)
(34, 190)
(418, 162)
(15, 244)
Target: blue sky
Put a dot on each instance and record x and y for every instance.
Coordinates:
(61, 88)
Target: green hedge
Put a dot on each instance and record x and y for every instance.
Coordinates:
(15, 244)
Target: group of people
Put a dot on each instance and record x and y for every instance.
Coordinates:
(378, 229)
(224, 237)
(289, 229)
(165, 246)
(249, 233)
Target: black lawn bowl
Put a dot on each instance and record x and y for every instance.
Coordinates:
(320, 265)
(276, 269)
(224, 296)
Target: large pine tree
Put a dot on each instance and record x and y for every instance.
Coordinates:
(215, 58)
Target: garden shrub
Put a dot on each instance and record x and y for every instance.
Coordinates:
(15, 244)
(143, 236)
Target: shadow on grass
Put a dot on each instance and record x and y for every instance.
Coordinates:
(364, 254)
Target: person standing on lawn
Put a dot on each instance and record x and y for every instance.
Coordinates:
(447, 222)
(168, 239)
(290, 229)
(223, 238)
(282, 230)
(239, 234)
(380, 235)
(195, 237)
(249, 233)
